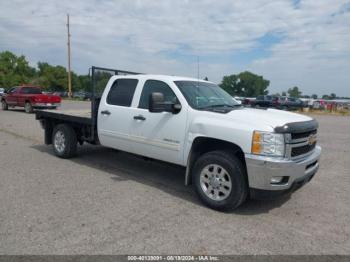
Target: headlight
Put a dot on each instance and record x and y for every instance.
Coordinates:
(269, 144)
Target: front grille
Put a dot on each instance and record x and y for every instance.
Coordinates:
(301, 150)
(303, 135)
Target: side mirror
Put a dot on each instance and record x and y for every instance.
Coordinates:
(157, 104)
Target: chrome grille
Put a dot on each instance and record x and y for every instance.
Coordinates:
(299, 145)
(303, 135)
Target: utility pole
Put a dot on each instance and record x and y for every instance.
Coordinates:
(68, 45)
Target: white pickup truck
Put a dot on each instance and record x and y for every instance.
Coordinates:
(230, 152)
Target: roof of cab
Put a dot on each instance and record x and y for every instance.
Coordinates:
(161, 77)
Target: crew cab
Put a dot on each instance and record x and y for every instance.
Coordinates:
(230, 152)
(29, 97)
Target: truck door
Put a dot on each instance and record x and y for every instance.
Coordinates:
(115, 114)
(158, 135)
(11, 97)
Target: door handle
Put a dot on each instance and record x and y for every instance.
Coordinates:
(140, 117)
(105, 112)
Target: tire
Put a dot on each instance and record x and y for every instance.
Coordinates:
(64, 141)
(231, 170)
(28, 108)
(4, 105)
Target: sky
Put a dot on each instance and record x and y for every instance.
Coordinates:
(304, 43)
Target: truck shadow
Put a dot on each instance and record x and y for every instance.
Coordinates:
(169, 178)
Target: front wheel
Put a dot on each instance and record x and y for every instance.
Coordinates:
(64, 141)
(4, 105)
(219, 180)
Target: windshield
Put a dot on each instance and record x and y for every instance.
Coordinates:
(202, 95)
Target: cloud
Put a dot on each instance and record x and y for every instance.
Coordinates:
(301, 43)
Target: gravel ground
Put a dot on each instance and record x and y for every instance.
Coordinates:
(109, 202)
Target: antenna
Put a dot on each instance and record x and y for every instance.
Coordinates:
(197, 67)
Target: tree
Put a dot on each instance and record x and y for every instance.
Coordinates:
(294, 92)
(333, 96)
(326, 97)
(51, 77)
(230, 85)
(284, 93)
(245, 84)
(314, 96)
(14, 70)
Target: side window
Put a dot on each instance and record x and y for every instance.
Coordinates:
(152, 86)
(260, 98)
(122, 92)
(13, 90)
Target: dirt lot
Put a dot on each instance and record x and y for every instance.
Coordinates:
(110, 202)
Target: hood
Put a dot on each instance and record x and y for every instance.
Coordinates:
(266, 118)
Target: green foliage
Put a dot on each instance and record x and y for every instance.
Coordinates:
(284, 93)
(245, 84)
(14, 70)
(333, 96)
(314, 96)
(50, 77)
(101, 79)
(294, 92)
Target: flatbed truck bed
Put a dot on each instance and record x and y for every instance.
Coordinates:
(82, 120)
(82, 116)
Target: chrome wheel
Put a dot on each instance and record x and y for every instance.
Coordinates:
(215, 182)
(60, 141)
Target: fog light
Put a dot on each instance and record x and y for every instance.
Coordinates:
(276, 179)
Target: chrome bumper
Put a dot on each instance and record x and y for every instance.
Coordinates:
(261, 169)
(46, 105)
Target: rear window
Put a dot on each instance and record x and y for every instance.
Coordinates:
(30, 90)
(122, 92)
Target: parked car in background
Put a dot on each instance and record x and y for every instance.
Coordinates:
(263, 101)
(60, 93)
(287, 103)
(82, 95)
(247, 101)
(29, 97)
(319, 104)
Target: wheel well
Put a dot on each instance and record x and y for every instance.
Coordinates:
(202, 145)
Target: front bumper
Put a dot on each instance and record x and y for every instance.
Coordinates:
(46, 105)
(262, 169)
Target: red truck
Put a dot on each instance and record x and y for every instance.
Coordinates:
(29, 97)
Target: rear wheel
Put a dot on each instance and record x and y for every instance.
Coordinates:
(219, 180)
(28, 108)
(4, 105)
(64, 141)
